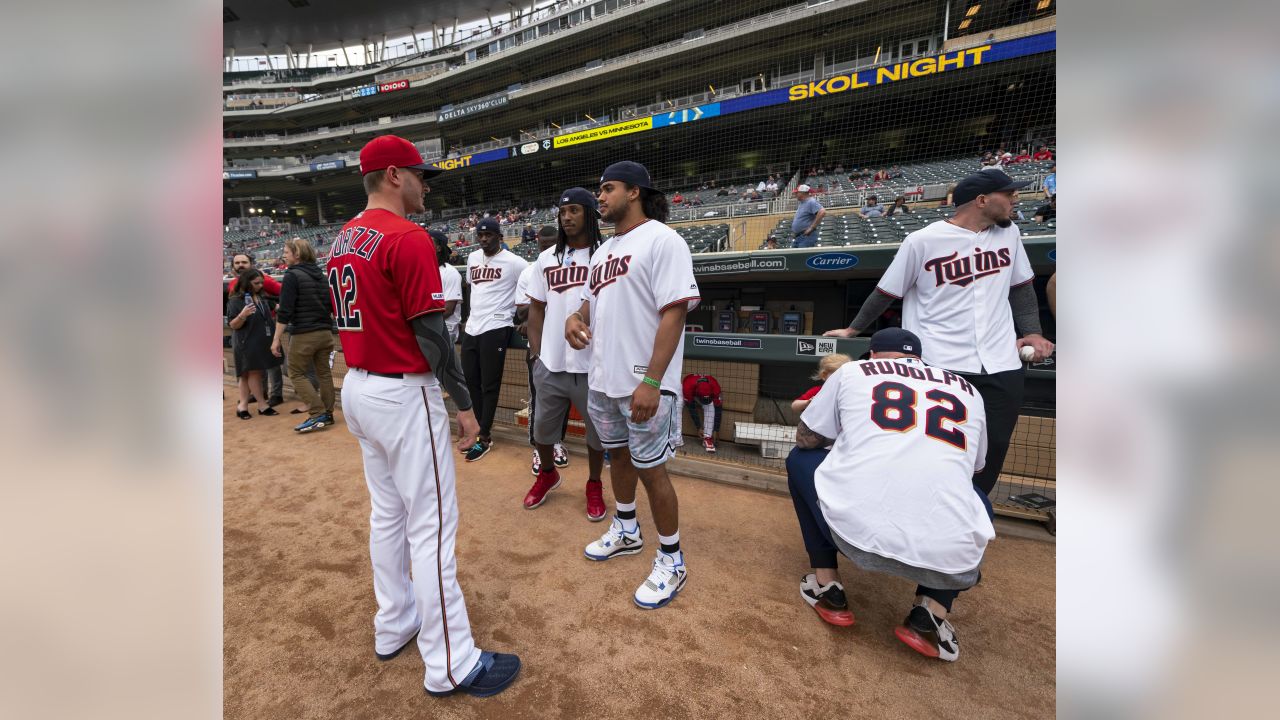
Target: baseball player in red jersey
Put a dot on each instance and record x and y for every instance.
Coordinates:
(702, 398)
(389, 305)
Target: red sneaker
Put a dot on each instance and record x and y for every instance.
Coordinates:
(546, 482)
(708, 444)
(595, 500)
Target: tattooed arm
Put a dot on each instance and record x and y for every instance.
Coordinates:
(808, 439)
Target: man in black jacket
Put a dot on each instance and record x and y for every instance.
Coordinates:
(306, 306)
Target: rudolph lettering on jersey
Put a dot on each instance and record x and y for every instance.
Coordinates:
(961, 271)
(360, 241)
(885, 367)
(564, 278)
(608, 272)
(483, 274)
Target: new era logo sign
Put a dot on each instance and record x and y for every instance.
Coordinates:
(815, 346)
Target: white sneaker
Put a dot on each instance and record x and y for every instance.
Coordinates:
(560, 456)
(666, 579)
(615, 542)
(537, 462)
(928, 635)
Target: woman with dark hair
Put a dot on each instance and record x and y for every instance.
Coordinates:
(250, 319)
(899, 206)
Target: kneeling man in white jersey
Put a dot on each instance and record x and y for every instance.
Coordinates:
(895, 494)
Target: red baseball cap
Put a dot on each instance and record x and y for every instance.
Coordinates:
(385, 151)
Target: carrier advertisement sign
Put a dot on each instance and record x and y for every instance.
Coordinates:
(604, 131)
(239, 174)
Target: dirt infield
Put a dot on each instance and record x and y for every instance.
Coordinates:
(298, 599)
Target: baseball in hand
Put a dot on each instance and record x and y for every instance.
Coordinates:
(1027, 352)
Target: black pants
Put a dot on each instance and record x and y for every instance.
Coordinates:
(483, 362)
(1002, 395)
(695, 411)
(533, 408)
(801, 466)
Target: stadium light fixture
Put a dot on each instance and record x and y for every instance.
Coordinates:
(713, 88)
(589, 117)
(555, 126)
(964, 24)
(1043, 5)
(974, 10)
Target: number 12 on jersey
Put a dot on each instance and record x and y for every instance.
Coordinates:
(342, 285)
(894, 408)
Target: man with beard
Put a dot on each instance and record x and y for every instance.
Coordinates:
(965, 286)
(638, 291)
(493, 274)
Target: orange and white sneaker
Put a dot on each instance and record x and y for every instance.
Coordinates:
(929, 636)
(826, 600)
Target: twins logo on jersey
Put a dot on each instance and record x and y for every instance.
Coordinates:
(608, 272)
(961, 271)
(560, 279)
(482, 274)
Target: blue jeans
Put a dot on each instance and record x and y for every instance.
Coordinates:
(806, 241)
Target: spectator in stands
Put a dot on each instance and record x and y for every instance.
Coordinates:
(694, 201)
(528, 234)
(250, 319)
(770, 243)
(839, 169)
(826, 367)
(899, 206)
(808, 214)
(678, 198)
(762, 186)
(1043, 154)
(895, 172)
(772, 185)
(722, 191)
(1022, 156)
(306, 309)
(881, 175)
(1051, 181)
(873, 208)
(1048, 211)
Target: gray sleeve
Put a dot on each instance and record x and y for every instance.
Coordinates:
(872, 308)
(433, 340)
(1026, 309)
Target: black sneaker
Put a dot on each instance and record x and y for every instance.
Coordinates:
(479, 450)
(827, 600)
(928, 635)
(493, 673)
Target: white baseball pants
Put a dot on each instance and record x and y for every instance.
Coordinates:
(403, 430)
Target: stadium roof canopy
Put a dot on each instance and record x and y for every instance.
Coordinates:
(248, 25)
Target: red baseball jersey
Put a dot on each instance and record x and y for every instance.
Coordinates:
(700, 386)
(382, 274)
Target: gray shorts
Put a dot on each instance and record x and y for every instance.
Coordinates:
(556, 390)
(921, 576)
(650, 443)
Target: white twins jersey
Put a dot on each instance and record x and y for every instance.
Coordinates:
(633, 278)
(522, 286)
(899, 480)
(558, 282)
(451, 283)
(954, 286)
(493, 290)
